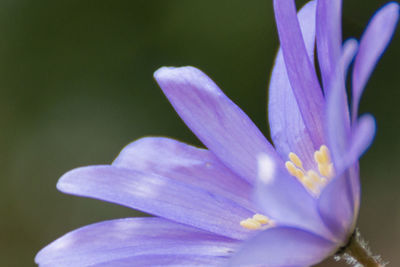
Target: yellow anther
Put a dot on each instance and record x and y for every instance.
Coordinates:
(314, 177)
(323, 169)
(250, 224)
(311, 179)
(291, 168)
(309, 184)
(331, 171)
(299, 174)
(318, 157)
(261, 218)
(325, 152)
(296, 160)
(256, 222)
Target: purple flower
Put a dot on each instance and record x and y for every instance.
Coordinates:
(307, 190)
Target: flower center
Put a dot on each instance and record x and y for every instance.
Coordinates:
(313, 181)
(258, 221)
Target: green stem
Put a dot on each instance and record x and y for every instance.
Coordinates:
(357, 250)
(361, 254)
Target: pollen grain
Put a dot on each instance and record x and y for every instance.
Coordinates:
(312, 180)
(257, 222)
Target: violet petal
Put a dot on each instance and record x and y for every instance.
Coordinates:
(166, 260)
(339, 201)
(363, 134)
(372, 45)
(126, 239)
(284, 199)
(337, 207)
(187, 164)
(300, 70)
(283, 246)
(350, 48)
(219, 123)
(288, 131)
(337, 124)
(158, 195)
(329, 38)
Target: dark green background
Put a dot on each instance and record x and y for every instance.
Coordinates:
(76, 86)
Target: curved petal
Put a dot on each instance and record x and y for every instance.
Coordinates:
(283, 246)
(300, 70)
(350, 48)
(336, 206)
(363, 134)
(347, 146)
(361, 138)
(221, 125)
(337, 125)
(373, 43)
(131, 238)
(329, 38)
(186, 164)
(166, 260)
(158, 195)
(288, 131)
(286, 201)
(340, 200)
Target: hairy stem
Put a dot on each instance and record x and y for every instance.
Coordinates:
(361, 254)
(357, 253)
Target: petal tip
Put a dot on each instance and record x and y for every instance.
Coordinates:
(64, 181)
(172, 72)
(68, 180)
(394, 6)
(162, 71)
(391, 9)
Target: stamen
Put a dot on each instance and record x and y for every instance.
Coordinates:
(296, 160)
(314, 177)
(325, 169)
(318, 157)
(325, 152)
(258, 221)
(299, 174)
(261, 218)
(291, 168)
(311, 179)
(309, 184)
(250, 224)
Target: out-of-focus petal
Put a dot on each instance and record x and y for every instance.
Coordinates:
(337, 207)
(300, 70)
(285, 200)
(283, 246)
(158, 195)
(124, 240)
(373, 42)
(362, 135)
(288, 131)
(220, 124)
(187, 164)
(361, 138)
(350, 48)
(329, 38)
(337, 124)
(339, 201)
(167, 260)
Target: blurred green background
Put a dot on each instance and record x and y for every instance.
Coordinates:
(76, 86)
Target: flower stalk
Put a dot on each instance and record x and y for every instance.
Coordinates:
(357, 253)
